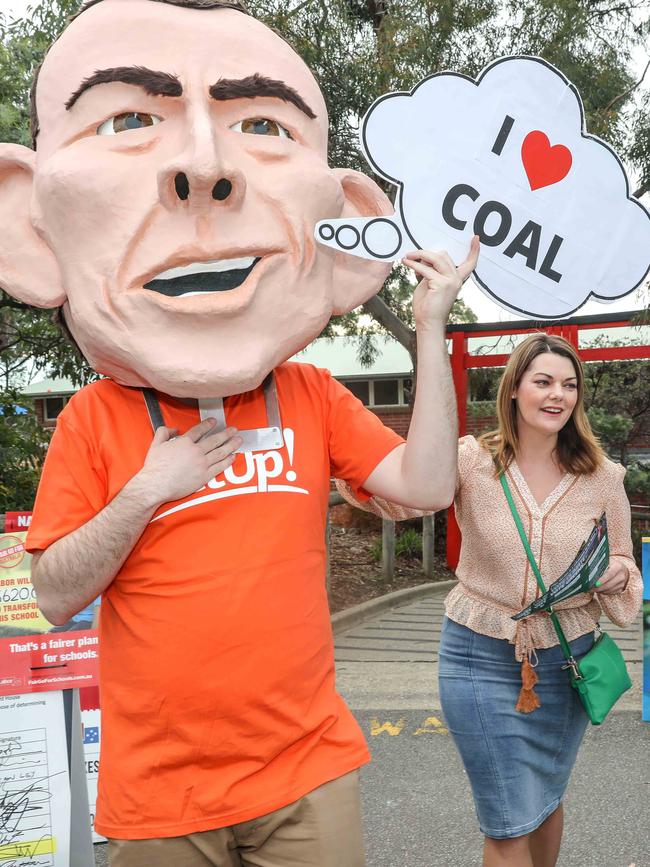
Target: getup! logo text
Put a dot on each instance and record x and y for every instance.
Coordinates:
(264, 473)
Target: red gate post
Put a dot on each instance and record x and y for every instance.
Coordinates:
(460, 377)
(571, 334)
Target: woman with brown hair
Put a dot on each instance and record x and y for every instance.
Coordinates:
(514, 717)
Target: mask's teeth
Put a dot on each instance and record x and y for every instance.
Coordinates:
(218, 267)
(200, 282)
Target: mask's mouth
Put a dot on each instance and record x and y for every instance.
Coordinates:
(200, 278)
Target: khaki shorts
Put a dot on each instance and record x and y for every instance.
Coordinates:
(323, 829)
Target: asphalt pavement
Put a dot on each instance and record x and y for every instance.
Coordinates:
(418, 810)
(417, 804)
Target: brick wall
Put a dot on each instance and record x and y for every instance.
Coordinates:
(39, 409)
(398, 418)
(476, 425)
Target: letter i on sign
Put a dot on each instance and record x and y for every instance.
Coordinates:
(503, 134)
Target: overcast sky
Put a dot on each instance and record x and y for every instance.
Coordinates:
(485, 309)
(16, 8)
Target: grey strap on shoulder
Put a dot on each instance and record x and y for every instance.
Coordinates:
(153, 408)
(256, 439)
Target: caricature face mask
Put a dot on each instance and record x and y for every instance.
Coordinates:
(171, 215)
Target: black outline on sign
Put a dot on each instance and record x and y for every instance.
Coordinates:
(583, 133)
(352, 229)
(390, 223)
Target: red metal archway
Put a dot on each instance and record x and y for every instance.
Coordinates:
(462, 362)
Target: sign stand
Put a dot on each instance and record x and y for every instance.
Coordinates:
(81, 843)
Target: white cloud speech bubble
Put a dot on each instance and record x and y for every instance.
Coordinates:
(506, 157)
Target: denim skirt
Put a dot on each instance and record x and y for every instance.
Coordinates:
(518, 764)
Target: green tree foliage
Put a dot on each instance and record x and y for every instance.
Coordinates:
(23, 43)
(22, 449)
(617, 394)
(611, 429)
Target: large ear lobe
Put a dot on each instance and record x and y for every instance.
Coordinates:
(355, 279)
(28, 268)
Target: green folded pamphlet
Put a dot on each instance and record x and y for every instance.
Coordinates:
(581, 576)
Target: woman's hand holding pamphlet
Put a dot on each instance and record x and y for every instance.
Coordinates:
(581, 576)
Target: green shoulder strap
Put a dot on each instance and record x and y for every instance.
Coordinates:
(531, 559)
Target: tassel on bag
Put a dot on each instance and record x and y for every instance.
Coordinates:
(528, 699)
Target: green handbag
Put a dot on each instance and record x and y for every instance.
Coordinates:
(600, 677)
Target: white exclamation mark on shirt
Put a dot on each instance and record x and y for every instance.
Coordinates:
(288, 441)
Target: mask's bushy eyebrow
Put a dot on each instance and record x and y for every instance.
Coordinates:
(258, 85)
(152, 82)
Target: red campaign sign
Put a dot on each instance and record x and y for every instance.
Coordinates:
(36, 656)
(17, 521)
(49, 661)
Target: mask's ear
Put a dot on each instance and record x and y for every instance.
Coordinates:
(355, 279)
(28, 268)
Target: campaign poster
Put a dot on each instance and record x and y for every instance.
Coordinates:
(36, 656)
(16, 522)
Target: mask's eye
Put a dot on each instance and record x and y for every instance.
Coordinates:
(261, 126)
(127, 121)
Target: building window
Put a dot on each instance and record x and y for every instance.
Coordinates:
(360, 388)
(380, 392)
(53, 407)
(386, 392)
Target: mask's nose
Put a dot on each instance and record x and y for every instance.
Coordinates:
(220, 191)
(206, 171)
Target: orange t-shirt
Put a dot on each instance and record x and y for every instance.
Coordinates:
(216, 663)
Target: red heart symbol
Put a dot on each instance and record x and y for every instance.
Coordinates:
(544, 164)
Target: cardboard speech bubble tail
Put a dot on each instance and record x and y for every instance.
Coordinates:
(382, 239)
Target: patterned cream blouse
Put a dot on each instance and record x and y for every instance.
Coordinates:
(494, 577)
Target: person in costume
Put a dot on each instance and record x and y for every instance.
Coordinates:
(511, 710)
(168, 208)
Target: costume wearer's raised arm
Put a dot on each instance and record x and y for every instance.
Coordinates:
(621, 608)
(78, 567)
(422, 473)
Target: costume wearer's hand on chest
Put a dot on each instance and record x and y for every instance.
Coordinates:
(181, 167)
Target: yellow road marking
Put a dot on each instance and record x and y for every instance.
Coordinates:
(431, 726)
(376, 728)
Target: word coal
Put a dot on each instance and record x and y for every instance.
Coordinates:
(525, 243)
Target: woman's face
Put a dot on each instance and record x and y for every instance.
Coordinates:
(547, 394)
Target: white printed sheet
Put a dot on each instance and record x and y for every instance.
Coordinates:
(34, 782)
